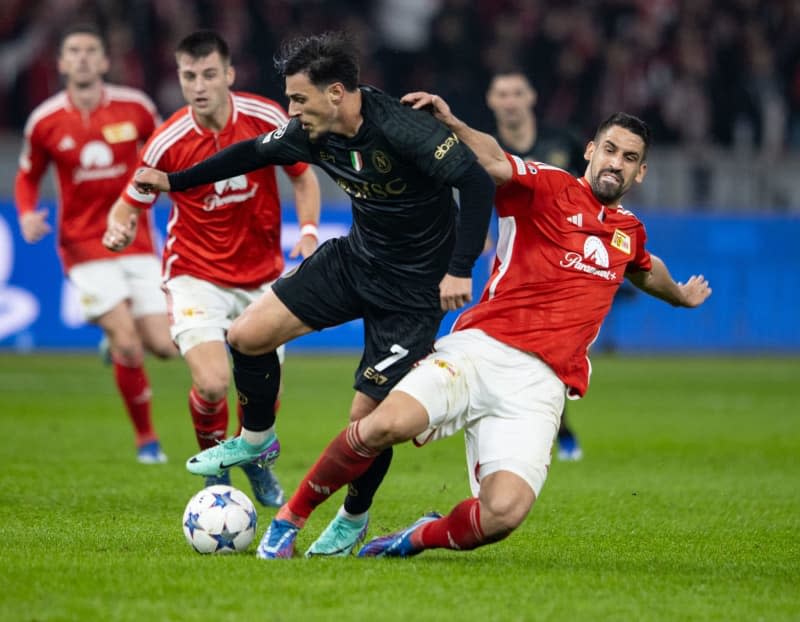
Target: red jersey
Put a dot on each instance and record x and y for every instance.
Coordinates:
(229, 232)
(561, 256)
(94, 153)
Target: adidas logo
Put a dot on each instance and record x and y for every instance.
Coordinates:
(66, 143)
(576, 219)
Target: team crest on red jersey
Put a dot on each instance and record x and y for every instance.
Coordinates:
(621, 241)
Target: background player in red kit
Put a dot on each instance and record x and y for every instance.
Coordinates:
(224, 240)
(565, 245)
(92, 131)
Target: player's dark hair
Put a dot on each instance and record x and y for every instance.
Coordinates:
(82, 28)
(202, 43)
(630, 123)
(325, 59)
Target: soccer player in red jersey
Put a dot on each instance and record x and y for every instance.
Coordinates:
(224, 239)
(502, 375)
(91, 131)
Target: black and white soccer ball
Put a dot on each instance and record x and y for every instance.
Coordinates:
(219, 519)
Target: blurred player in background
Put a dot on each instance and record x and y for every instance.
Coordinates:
(92, 131)
(512, 99)
(502, 375)
(224, 240)
(407, 259)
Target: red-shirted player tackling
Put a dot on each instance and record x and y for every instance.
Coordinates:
(91, 132)
(223, 247)
(564, 247)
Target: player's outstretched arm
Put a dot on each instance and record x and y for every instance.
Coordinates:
(659, 283)
(121, 226)
(489, 153)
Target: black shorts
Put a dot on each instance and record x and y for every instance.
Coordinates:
(400, 323)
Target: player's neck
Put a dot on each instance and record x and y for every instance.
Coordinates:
(217, 120)
(520, 137)
(350, 118)
(85, 97)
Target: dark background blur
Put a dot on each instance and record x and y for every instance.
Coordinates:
(718, 80)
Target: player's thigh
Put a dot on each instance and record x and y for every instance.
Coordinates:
(119, 325)
(393, 342)
(155, 334)
(516, 403)
(199, 311)
(264, 326)
(322, 291)
(441, 383)
(101, 287)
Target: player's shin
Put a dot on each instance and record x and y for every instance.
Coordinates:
(362, 490)
(342, 461)
(258, 380)
(460, 530)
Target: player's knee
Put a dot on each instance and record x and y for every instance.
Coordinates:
(211, 392)
(244, 341)
(384, 428)
(164, 350)
(505, 503)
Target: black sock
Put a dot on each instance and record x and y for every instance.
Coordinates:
(362, 490)
(257, 379)
(564, 431)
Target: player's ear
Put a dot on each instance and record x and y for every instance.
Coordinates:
(230, 75)
(587, 154)
(642, 172)
(335, 93)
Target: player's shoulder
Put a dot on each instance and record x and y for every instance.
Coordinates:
(259, 108)
(401, 124)
(542, 170)
(170, 133)
(129, 95)
(47, 110)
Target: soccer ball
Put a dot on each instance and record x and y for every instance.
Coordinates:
(219, 519)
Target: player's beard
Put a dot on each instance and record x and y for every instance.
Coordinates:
(607, 192)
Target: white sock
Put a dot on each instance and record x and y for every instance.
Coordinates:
(256, 439)
(351, 517)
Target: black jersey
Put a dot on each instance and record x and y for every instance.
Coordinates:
(555, 146)
(398, 171)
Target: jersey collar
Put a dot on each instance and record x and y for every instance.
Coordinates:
(601, 208)
(228, 126)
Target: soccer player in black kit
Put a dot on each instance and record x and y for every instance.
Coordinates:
(407, 259)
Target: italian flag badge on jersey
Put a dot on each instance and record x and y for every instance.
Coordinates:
(356, 161)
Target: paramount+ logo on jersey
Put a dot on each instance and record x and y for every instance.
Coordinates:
(445, 147)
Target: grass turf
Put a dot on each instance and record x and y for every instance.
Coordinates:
(685, 507)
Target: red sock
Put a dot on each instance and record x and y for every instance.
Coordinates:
(459, 530)
(342, 461)
(135, 390)
(210, 419)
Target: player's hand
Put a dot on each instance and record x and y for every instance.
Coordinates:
(305, 247)
(119, 235)
(455, 292)
(420, 100)
(695, 291)
(34, 225)
(150, 180)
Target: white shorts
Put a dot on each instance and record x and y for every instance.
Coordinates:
(104, 283)
(200, 311)
(508, 403)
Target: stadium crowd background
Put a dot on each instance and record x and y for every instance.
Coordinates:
(718, 80)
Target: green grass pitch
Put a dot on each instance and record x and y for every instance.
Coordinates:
(686, 505)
